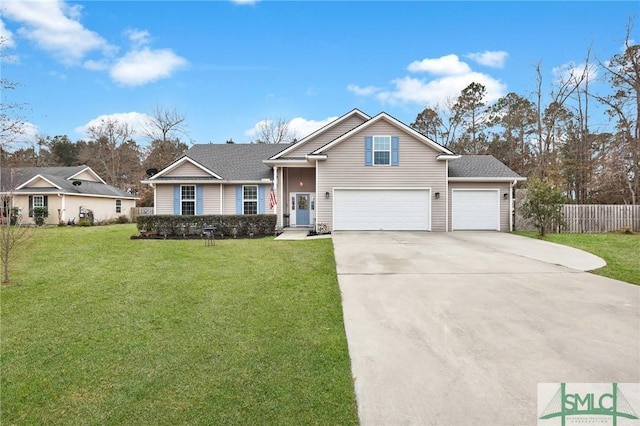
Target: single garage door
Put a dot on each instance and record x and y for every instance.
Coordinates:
(381, 210)
(475, 209)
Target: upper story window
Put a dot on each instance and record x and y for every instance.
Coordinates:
(250, 199)
(382, 150)
(188, 200)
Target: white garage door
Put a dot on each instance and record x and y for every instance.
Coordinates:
(381, 209)
(475, 209)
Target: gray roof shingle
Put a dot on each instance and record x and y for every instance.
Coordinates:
(13, 177)
(236, 161)
(480, 166)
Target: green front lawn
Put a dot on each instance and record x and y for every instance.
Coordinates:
(620, 251)
(101, 329)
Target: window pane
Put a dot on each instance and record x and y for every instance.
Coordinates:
(381, 157)
(250, 207)
(38, 201)
(250, 192)
(188, 208)
(118, 206)
(188, 192)
(381, 143)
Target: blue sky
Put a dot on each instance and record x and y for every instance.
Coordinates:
(228, 65)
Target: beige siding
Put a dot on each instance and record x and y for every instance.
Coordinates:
(53, 204)
(164, 199)
(503, 188)
(418, 168)
(40, 183)
(86, 176)
(326, 137)
(187, 169)
(211, 202)
(103, 208)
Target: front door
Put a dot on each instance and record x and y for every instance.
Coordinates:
(302, 210)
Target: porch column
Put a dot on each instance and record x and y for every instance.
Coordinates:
(275, 188)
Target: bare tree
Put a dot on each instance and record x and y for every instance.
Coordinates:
(112, 153)
(274, 132)
(165, 124)
(12, 233)
(623, 105)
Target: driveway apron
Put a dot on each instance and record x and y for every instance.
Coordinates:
(459, 328)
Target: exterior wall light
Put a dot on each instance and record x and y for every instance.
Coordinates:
(505, 196)
(437, 194)
(326, 195)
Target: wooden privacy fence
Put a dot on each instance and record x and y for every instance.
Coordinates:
(600, 218)
(140, 211)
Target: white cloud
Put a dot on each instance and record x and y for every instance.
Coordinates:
(138, 38)
(450, 76)
(6, 37)
(143, 66)
(300, 127)
(445, 65)
(136, 121)
(572, 72)
(363, 91)
(489, 58)
(54, 27)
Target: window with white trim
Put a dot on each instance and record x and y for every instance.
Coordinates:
(382, 150)
(38, 201)
(250, 199)
(188, 200)
(118, 206)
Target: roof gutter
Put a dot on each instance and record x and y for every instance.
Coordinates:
(486, 179)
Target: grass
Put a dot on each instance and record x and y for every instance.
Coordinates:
(101, 329)
(621, 251)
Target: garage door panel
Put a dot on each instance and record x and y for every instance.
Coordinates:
(381, 209)
(475, 210)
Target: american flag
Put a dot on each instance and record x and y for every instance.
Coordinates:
(272, 198)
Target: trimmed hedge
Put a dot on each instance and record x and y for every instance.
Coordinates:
(226, 226)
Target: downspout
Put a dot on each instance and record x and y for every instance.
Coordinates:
(155, 201)
(446, 197)
(275, 188)
(512, 208)
(221, 200)
(63, 207)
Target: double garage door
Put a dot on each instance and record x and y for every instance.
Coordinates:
(395, 209)
(475, 209)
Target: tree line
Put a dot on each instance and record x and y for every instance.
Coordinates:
(550, 135)
(111, 151)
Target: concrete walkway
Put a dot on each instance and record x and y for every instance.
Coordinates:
(459, 328)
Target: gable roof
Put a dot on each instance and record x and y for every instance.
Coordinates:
(232, 162)
(16, 180)
(391, 120)
(336, 122)
(480, 167)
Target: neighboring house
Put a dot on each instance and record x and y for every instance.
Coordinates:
(356, 173)
(66, 192)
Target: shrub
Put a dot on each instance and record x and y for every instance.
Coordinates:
(39, 215)
(122, 219)
(544, 204)
(226, 226)
(83, 222)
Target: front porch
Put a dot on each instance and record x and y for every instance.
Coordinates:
(297, 194)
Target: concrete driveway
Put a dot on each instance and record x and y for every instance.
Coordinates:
(459, 328)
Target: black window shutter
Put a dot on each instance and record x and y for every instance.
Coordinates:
(30, 205)
(46, 200)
